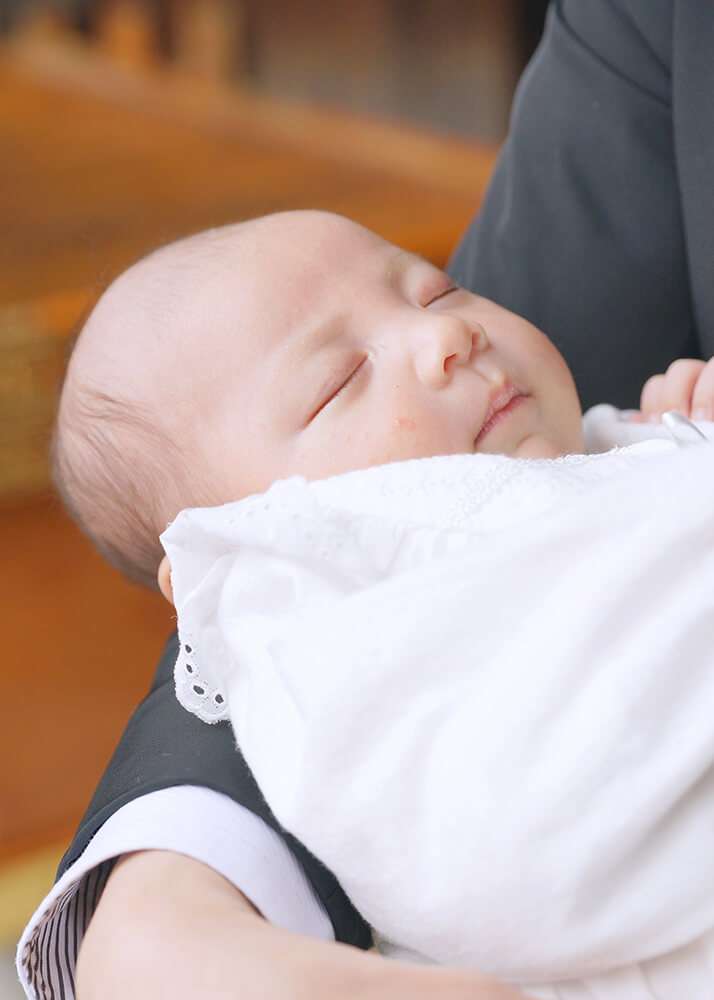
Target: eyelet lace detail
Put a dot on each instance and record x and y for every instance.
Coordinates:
(194, 690)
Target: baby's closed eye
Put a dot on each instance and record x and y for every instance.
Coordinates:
(333, 395)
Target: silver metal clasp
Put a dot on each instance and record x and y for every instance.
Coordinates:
(683, 431)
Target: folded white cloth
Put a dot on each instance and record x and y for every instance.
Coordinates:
(479, 689)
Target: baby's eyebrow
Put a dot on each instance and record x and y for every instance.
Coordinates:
(300, 351)
(403, 258)
(315, 337)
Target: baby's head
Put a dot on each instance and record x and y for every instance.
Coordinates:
(298, 343)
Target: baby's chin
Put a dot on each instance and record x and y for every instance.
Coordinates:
(535, 446)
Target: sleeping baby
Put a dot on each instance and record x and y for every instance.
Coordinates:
(402, 579)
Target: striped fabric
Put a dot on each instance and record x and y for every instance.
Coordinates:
(46, 964)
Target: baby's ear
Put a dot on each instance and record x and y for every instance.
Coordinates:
(164, 578)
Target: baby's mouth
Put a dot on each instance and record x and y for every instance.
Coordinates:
(507, 400)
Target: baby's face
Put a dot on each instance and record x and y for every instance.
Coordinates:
(332, 350)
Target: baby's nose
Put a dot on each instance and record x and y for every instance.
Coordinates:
(448, 343)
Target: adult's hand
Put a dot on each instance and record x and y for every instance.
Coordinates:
(687, 386)
(167, 925)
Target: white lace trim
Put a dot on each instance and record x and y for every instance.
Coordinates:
(196, 689)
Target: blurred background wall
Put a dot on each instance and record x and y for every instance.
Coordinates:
(449, 65)
(128, 123)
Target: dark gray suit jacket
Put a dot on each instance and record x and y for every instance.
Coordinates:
(599, 221)
(599, 227)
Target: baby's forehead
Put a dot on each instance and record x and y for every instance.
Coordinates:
(239, 290)
(273, 259)
(295, 266)
(316, 244)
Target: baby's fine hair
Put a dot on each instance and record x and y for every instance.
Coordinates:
(111, 465)
(120, 474)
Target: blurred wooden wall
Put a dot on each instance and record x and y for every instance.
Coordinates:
(447, 64)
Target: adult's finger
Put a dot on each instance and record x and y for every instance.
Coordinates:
(703, 395)
(678, 385)
(650, 396)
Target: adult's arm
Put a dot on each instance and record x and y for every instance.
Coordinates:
(164, 746)
(234, 842)
(186, 933)
(581, 228)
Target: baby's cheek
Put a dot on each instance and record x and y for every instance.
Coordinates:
(548, 368)
(543, 352)
(396, 437)
(404, 424)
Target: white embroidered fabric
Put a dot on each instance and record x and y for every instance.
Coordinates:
(496, 673)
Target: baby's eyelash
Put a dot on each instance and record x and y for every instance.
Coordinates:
(441, 295)
(347, 381)
(343, 386)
